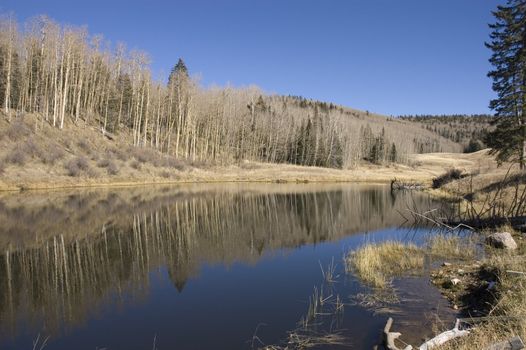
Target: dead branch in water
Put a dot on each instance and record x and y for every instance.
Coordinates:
(442, 338)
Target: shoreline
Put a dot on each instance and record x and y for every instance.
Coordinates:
(421, 169)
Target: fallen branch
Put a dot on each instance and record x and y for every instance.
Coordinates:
(444, 337)
(390, 337)
(441, 224)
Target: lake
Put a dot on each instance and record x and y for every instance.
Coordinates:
(202, 266)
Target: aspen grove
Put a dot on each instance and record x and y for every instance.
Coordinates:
(67, 77)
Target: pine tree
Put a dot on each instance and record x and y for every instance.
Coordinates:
(508, 41)
(392, 154)
(179, 71)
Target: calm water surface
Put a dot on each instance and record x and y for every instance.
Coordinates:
(199, 266)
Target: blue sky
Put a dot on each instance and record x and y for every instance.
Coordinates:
(390, 57)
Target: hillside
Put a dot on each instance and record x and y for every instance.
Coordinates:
(467, 130)
(79, 155)
(68, 101)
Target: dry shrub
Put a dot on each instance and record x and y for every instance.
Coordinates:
(30, 148)
(201, 164)
(136, 165)
(83, 144)
(112, 168)
(169, 162)
(109, 164)
(78, 166)
(165, 174)
(17, 130)
(17, 155)
(249, 165)
(119, 154)
(148, 155)
(52, 154)
(103, 163)
(450, 175)
(377, 264)
(145, 155)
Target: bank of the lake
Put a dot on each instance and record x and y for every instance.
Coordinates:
(421, 168)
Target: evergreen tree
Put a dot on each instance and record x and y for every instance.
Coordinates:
(508, 41)
(392, 154)
(179, 71)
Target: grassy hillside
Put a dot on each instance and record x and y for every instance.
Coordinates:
(60, 88)
(34, 154)
(466, 130)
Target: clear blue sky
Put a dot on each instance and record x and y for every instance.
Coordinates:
(390, 57)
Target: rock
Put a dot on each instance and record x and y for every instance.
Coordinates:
(446, 264)
(461, 272)
(502, 240)
(455, 281)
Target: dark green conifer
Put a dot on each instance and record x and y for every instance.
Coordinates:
(508, 41)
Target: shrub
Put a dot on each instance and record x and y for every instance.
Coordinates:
(17, 155)
(135, 165)
(31, 148)
(473, 146)
(83, 144)
(77, 166)
(450, 175)
(169, 162)
(103, 163)
(17, 130)
(144, 155)
(53, 154)
(112, 168)
(120, 154)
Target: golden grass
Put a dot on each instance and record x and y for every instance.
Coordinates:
(377, 264)
(508, 314)
(36, 174)
(451, 246)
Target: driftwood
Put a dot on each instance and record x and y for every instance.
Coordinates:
(444, 337)
(514, 343)
(517, 222)
(439, 223)
(397, 185)
(390, 337)
(520, 273)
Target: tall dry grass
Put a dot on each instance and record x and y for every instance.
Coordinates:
(507, 316)
(377, 264)
(451, 246)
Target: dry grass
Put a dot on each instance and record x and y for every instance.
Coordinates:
(507, 316)
(144, 165)
(377, 264)
(451, 246)
(302, 340)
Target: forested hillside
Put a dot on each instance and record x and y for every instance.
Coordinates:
(467, 130)
(65, 78)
